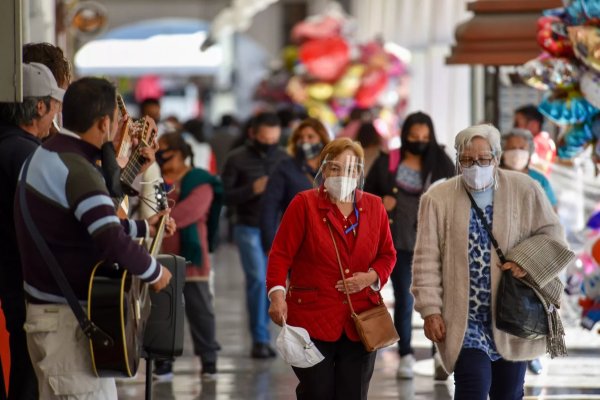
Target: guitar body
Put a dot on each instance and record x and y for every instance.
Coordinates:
(119, 304)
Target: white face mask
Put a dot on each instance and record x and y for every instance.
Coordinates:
(516, 159)
(340, 187)
(478, 178)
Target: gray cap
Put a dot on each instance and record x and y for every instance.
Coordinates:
(38, 81)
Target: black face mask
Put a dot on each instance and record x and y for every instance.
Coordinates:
(308, 151)
(267, 149)
(160, 157)
(111, 170)
(416, 148)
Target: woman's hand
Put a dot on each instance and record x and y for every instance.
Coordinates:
(278, 307)
(435, 328)
(517, 271)
(357, 282)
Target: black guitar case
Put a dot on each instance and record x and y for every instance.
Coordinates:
(163, 338)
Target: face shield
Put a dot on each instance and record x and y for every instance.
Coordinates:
(342, 177)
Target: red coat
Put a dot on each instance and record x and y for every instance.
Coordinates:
(303, 247)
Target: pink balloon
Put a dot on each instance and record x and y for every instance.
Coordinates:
(373, 83)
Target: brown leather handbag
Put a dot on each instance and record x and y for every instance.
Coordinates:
(374, 326)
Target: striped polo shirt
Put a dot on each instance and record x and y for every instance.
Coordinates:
(70, 205)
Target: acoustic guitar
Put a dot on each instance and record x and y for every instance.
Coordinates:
(119, 303)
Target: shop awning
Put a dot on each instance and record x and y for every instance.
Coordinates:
(502, 32)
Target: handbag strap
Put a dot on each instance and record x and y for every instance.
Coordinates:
(487, 227)
(91, 330)
(337, 253)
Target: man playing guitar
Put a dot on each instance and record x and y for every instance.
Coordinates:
(68, 199)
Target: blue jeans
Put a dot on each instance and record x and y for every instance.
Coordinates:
(476, 376)
(254, 263)
(403, 300)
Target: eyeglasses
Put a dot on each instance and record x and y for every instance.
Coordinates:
(467, 162)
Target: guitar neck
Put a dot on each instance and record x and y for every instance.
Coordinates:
(157, 241)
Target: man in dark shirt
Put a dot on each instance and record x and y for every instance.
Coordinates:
(22, 126)
(245, 176)
(70, 204)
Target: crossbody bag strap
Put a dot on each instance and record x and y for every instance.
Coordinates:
(91, 330)
(337, 253)
(487, 227)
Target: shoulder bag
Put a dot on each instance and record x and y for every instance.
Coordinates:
(374, 326)
(519, 310)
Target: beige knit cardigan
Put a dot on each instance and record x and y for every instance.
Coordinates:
(441, 264)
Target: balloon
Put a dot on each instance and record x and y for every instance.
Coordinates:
(347, 85)
(546, 72)
(590, 88)
(320, 111)
(586, 43)
(550, 41)
(594, 221)
(373, 83)
(596, 251)
(289, 55)
(296, 90)
(320, 91)
(566, 110)
(396, 67)
(325, 59)
(317, 28)
(575, 140)
(342, 107)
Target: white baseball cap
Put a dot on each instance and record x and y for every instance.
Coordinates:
(38, 81)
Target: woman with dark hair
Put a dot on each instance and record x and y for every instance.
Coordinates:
(292, 175)
(196, 197)
(400, 178)
(370, 140)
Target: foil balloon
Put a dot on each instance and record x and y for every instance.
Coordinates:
(296, 90)
(574, 141)
(581, 11)
(372, 85)
(567, 110)
(320, 111)
(342, 107)
(546, 72)
(347, 85)
(289, 55)
(549, 40)
(317, 28)
(320, 91)
(586, 44)
(594, 221)
(325, 59)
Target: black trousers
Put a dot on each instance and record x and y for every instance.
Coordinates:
(344, 374)
(23, 382)
(201, 318)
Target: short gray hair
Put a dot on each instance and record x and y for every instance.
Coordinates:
(485, 131)
(23, 113)
(522, 133)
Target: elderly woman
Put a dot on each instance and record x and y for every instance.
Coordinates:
(315, 299)
(517, 148)
(456, 271)
(292, 175)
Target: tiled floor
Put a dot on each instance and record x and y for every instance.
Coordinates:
(240, 377)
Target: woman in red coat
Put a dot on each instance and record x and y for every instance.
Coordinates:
(315, 298)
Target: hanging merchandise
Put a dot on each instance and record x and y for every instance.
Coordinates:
(330, 74)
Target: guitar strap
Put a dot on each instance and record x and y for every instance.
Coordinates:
(91, 330)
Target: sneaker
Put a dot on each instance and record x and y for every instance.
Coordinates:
(163, 371)
(209, 371)
(439, 373)
(535, 366)
(405, 367)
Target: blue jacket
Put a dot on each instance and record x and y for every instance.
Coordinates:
(290, 177)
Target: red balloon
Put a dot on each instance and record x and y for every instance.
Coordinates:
(596, 251)
(550, 41)
(325, 59)
(373, 83)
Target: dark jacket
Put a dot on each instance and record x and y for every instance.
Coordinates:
(15, 146)
(243, 166)
(403, 218)
(290, 177)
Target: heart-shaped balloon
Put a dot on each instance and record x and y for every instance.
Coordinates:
(325, 59)
(372, 85)
(586, 44)
(567, 108)
(550, 41)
